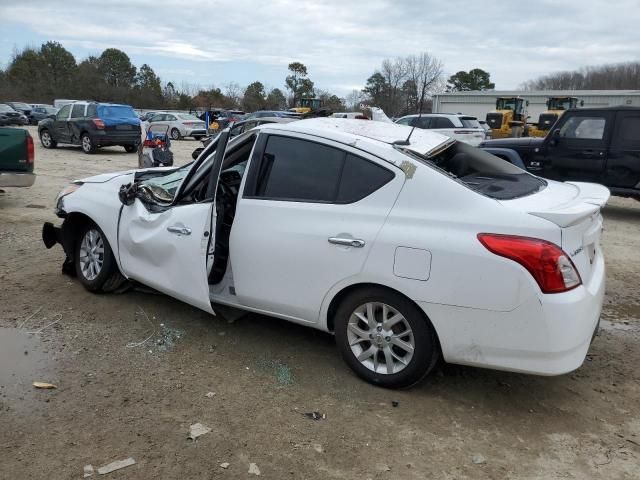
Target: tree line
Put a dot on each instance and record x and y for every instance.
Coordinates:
(399, 86)
(620, 76)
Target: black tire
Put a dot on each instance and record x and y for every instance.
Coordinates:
(109, 277)
(175, 134)
(425, 353)
(47, 141)
(130, 148)
(87, 144)
(198, 137)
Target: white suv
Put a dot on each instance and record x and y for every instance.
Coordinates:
(406, 249)
(461, 127)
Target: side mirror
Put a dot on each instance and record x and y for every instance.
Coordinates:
(556, 133)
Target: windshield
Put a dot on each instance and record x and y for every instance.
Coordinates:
(6, 109)
(21, 106)
(470, 122)
(561, 103)
(116, 111)
(508, 104)
(482, 172)
(169, 183)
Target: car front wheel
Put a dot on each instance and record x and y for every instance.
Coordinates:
(47, 140)
(130, 148)
(385, 338)
(95, 264)
(175, 134)
(87, 144)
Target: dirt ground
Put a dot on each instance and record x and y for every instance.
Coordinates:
(118, 397)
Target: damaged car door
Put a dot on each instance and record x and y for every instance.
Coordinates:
(164, 239)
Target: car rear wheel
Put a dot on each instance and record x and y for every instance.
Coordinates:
(385, 338)
(94, 261)
(175, 134)
(46, 140)
(198, 137)
(87, 144)
(130, 148)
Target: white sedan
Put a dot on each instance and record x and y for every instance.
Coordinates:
(179, 125)
(408, 249)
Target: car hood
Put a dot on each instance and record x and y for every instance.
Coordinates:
(525, 142)
(107, 177)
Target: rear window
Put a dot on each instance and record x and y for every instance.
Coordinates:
(470, 122)
(116, 111)
(482, 172)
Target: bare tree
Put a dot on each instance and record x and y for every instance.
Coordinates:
(233, 92)
(425, 72)
(621, 76)
(354, 99)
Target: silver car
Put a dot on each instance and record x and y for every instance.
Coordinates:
(180, 125)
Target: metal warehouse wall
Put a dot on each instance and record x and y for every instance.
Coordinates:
(479, 104)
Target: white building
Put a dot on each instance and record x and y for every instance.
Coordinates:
(478, 104)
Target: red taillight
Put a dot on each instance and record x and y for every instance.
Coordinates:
(31, 153)
(99, 123)
(547, 263)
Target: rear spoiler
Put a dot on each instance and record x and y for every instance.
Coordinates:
(590, 199)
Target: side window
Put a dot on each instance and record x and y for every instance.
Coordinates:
(628, 131)
(404, 121)
(170, 118)
(293, 169)
(361, 178)
(300, 170)
(78, 110)
(586, 128)
(422, 122)
(63, 113)
(92, 110)
(442, 122)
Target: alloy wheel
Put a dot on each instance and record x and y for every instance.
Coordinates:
(91, 254)
(381, 338)
(46, 139)
(86, 143)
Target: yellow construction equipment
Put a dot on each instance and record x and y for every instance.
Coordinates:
(556, 106)
(509, 119)
(306, 105)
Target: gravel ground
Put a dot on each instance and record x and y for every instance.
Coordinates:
(118, 397)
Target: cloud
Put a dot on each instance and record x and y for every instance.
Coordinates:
(342, 42)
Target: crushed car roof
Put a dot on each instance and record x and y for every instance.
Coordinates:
(344, 130)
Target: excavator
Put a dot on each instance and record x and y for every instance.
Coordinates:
(556, 106)
(509, 119)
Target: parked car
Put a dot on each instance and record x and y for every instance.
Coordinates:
(8, 116)
(487, 129)
(268, 113)
(405, 247)
(92, 125)
(145, 117)
(21, 107)
(461, 127)
(180, 125)
(599, 145)
(17, 156)
(40, 113)
(241, 127)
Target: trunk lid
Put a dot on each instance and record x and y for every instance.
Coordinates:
(575, 208)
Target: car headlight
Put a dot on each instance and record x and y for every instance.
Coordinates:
(68, 190)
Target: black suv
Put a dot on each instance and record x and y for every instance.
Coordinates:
(600, 145)
(92, 125)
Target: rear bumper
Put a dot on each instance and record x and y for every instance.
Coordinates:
(192, 132)
(546, 335)
(104, 139)
(17, 179)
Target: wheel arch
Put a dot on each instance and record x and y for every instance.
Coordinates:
(328, 312)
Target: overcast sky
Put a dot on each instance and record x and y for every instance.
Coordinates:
(341, 41)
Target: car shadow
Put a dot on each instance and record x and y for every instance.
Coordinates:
(623, 213)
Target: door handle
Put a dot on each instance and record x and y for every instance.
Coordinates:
(179, 230)
(349, 242)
